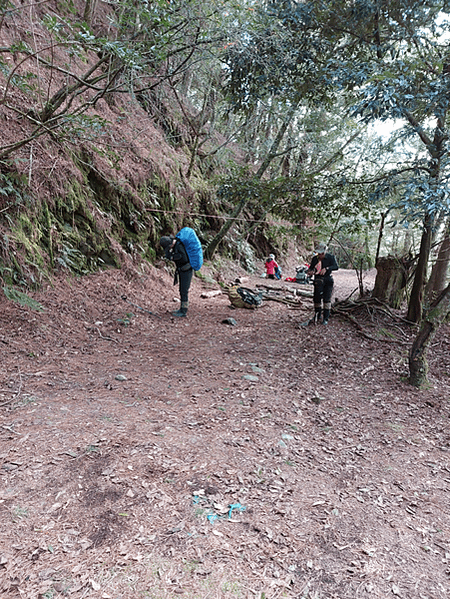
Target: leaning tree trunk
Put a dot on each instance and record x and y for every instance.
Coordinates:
(435, 316)
(212, 246)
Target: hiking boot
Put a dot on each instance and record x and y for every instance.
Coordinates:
(316, 319)
(182, 311)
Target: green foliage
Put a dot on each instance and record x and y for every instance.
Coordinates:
(5, 7)
(334, 46)
(126, 320)
(12, 188)
(352, 249)
(22, 299)
(26, 82)
(270, 194)
(246, 255)
(276, 55)
(84, 126)
(19, 513)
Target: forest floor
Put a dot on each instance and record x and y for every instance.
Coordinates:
(147, 456)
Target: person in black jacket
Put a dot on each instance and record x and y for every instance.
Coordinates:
(322, 265)
(174, 250)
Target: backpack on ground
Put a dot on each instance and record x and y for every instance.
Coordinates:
(241, 297)
(301, 276)
(193, 247)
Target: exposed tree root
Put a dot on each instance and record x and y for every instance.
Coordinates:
(373, 307)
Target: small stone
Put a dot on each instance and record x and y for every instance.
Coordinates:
(120, 377)
(230, 321)
(251, 377)
(8, 466)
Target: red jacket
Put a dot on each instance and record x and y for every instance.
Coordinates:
(271, 265)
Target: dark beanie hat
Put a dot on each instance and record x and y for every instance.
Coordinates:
(164, 242)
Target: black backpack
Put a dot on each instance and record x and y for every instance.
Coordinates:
(241, 297)
(250, 297)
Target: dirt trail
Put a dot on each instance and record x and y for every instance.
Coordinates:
(144, 456)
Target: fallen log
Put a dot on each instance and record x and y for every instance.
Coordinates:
(283, 300)
(294, 291)
(208, 294)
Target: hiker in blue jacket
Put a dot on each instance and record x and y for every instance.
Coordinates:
(174, 250)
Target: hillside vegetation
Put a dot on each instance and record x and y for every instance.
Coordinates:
(93, 170)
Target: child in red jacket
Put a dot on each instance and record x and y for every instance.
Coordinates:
(271, 267)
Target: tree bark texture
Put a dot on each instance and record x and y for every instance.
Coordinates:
(390, 282)
(438, 277)
(435, 316)
(89, 10)
(416, 298)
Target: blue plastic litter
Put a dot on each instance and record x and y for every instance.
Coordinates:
(235, 506)
(211, 515)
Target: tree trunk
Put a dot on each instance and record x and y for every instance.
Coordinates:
(213, 244)
(416, 299)
(439, 308)
(438, 277)
(89, 10)
(391, 279)
(380, 235)
(197, 123)
(437, 149)
(438, 312)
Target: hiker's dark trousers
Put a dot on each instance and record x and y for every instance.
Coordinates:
(323, 290)
(185, 278)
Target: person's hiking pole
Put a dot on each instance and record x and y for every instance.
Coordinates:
(124, 297)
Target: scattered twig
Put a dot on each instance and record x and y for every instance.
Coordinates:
(353, 320)
(16, 394)
(5, 403)
(441, 546)
(8, 428)
(106, 338)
